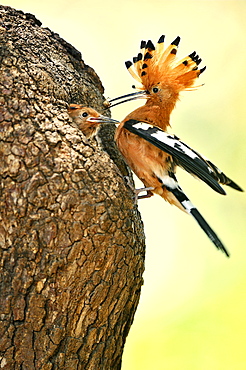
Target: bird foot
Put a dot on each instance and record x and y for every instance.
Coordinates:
(148, 190)
(138, 191)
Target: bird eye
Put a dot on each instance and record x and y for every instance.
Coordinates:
(85, 114)
(155, 89)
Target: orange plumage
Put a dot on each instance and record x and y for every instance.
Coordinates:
(87, 119)
(141, 137)
(149, 151)
(161, 78)
(155, 64)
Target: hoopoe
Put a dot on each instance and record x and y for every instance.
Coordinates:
(88, 120)
(141, 137)
(161, 78)
(155, 156)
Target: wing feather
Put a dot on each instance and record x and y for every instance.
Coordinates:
(183, 155)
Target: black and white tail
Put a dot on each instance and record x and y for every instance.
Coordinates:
(191, 209)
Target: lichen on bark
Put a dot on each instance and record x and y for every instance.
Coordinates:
(71, 238)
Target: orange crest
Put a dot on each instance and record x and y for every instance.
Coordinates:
(155, 65)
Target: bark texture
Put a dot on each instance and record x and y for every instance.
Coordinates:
(71, 239)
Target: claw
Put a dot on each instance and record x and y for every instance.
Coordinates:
(138, 191)
(148, 195)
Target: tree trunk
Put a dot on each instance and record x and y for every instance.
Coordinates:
(72, 242)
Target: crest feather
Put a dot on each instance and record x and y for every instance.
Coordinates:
(156, 65)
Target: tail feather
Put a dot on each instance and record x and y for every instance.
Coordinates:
(207, 229)
(191, 209)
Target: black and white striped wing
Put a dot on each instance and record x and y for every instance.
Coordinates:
(183, 155)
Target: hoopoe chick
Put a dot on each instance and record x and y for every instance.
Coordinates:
(141, 137)
(88, 120)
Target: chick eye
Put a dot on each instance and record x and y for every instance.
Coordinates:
(155, 89)
(85, 114)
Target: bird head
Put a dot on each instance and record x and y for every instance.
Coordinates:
(160, 75)
(88, 120)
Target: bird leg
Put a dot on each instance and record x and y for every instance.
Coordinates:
(138, 191)
(148, 190)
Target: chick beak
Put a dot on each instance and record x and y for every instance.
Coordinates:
(102, 119)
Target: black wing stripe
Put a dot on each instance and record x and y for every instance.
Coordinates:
(186, 157)
(222, 178)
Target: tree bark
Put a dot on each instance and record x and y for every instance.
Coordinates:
(71, 238)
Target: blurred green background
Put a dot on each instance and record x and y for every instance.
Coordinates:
(192, 312)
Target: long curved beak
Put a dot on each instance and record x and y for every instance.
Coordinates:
(102, 119)
(128, 97)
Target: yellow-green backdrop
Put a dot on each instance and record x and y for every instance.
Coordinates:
(192, 312)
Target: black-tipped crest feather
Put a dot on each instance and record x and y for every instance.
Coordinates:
(164, 67)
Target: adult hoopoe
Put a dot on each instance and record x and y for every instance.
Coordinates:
(155, 156)
(152, 153)
(161, 78)
(88, 120)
